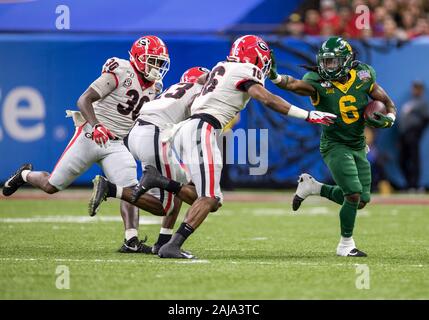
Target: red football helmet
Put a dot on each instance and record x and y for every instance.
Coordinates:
(150, 56)
(251, 49)
(192, 74)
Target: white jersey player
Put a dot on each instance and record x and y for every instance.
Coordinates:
(144, 143)
(144, 140)
(226, 92)
(108, 110)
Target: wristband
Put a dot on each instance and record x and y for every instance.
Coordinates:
(391, 116)
(277, 80)
(297, 112)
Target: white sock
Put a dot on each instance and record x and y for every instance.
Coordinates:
(119, 194)
(24, 174)
(317, 187)
(166, 231)
(129, 233)
(347, 241)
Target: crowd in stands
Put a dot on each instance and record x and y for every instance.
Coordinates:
(390, 19)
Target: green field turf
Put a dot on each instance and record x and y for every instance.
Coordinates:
(246, 251)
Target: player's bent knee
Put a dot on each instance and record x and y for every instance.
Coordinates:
(362, 205)
(354, 197)
(49, 188)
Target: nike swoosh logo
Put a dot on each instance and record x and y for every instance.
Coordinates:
(6, 184)
(189, 256)
(359, 85)
(353, 254)
(132, 248)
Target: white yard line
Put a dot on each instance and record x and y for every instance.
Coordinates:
(202, 261)
(147, 220)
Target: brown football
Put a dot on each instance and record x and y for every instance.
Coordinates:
(374, 106)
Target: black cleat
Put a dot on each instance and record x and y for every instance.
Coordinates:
(172, 251)
(134, 245)
(156, 247)
(356, 253)
(99, 194)
(14, 182)
(296, 202)
(151, 179)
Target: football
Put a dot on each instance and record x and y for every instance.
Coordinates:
(374, 106)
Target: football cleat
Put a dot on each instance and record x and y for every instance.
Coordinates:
(347, 251)
(151, 179)
(172, 251)
(99, 194)
(15, 181)
(157, 246)
(355, 252)
(307, 186)
(134, 245)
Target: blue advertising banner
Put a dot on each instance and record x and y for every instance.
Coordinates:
(43, 75)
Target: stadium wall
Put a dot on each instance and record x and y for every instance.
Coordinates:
(43, 75)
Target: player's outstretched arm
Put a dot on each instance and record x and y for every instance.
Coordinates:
(280, 105)
(383, 121)
(289, 83)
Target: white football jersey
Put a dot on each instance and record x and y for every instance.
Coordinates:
(120, 108)
(221, 95)
(172, 106)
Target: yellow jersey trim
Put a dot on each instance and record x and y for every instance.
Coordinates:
(344, 87)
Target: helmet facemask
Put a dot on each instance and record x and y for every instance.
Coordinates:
(155, 66)
(266, 64)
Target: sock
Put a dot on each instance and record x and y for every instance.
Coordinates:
(119, 192)
(112, 190)
(184, 231)
(347, 218)
(164, 236)
(173, 187)
(333, 193)
(347, 241)
(24, 174)
(130, 233)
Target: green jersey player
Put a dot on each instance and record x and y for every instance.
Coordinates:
(341, 85)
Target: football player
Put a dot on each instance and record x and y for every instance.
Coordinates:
(226, 92)
(341, 85)
(145, 144)
(108, 109)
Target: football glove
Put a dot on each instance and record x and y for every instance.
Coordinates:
(382, 121)
(101, 135)
(273, 70)
(319, 117)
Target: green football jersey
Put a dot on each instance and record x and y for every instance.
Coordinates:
(348, 102)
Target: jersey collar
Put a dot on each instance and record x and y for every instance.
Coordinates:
(344, 87)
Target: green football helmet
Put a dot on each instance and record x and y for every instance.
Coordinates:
(334, 59)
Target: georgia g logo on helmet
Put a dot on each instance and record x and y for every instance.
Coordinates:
(262, 45)
(143, 42)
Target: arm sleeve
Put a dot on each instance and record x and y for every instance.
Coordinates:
(246, 84)
(105, 84)
(247, 75)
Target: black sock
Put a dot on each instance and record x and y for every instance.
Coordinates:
(173, 187)
(111, 191)
(163, 238)
(185, 230)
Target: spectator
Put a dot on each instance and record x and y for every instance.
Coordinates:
(391, 30)
(294, 26)
(329, 17)
(413, 119)
(312, 22)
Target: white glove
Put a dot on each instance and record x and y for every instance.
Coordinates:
(319, 117)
